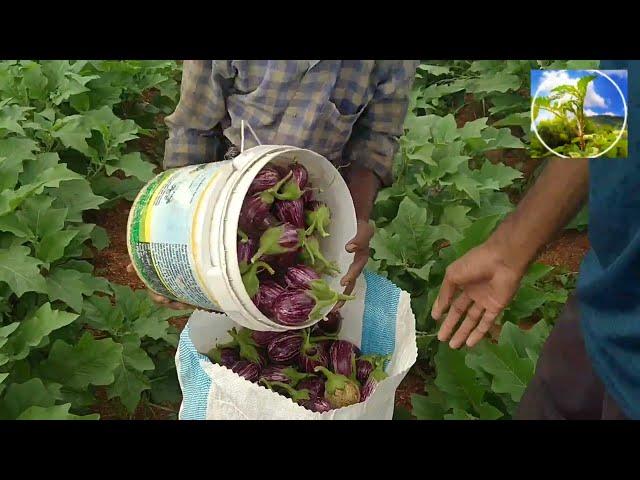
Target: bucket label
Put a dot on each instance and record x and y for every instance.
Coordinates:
(161, 235)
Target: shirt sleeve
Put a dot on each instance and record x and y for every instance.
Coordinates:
(374, 140)
(201, 107)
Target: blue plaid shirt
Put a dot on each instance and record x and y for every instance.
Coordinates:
(349, 111)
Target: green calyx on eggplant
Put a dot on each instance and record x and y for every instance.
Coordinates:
(276, 240)
(339, 390)
(318, 218)
(312, 256)
(250, 278)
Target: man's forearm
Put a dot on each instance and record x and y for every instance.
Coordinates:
(364, 186)
(550, 204)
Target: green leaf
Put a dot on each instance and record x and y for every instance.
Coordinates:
(57, 412)
(16, 225)
(20, 396)
(89, 362)
(501, 174)
(422, 272)
(73, 131)
(52, 246)
(32, 330)
(13, 151)
(520, 119)
(100, 314)
(435, 70)
(583, 64)
(477, 233)
(77, 196)
(11, 116)
(473, 129)
(132, 165)
(425, 408)
(467, 184)
(130, 380)
(445, 130)
(32, 168)
(70, 285)
(99, 238)
(456, 216)
(21, 271)
(511, 374)
(498, 82)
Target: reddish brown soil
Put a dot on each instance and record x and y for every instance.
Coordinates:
(566, 251)
(112, 262)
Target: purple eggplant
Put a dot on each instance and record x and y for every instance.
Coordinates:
(300, 175)
(291, 211)
(364, 368)
(276, 240)
(248, 370)
(262, 339)
(342, 356)
(292, 307)
(300, 277)
(376, 376)
(268, 291)
(255, 215)
(318, 218)
(284, 374)
(316, 404)
(302, 397)
(308, 195)
(226, 357)
(295, 307)
(315, 385)
(283, 261)
(246, 250)
(285, 348)
(339, 390)
(330, 325)
(286, 189)
(266, 178)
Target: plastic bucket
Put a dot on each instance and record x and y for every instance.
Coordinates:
(182, 230)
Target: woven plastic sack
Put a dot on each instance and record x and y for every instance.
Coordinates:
(379, 321)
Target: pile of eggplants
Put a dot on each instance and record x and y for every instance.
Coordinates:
(278, 250)
(311, 366)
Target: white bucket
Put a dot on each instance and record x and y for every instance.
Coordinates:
(182, 230)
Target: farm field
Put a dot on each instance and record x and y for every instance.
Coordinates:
(80, 339)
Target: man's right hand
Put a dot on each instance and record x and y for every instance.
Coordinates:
(164, 301)
(486, 283)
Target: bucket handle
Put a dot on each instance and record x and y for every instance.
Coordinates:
(238, 162)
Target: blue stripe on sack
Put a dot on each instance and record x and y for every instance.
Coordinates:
(195, 382)
(380, 312)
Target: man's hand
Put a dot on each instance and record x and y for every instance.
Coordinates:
(364, 186)
(360, 246)
(159, 299)
(486, 282)
(489, 275)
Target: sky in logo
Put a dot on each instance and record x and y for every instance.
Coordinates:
(602, 96)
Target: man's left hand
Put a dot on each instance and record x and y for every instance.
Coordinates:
(360, 246)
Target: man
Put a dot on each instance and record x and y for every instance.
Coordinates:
(349, 111)
(589, 367)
